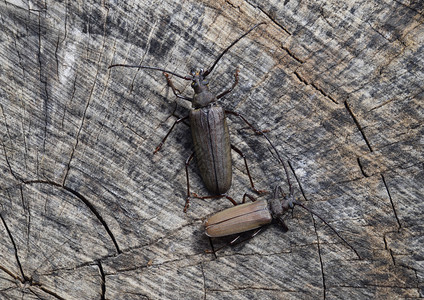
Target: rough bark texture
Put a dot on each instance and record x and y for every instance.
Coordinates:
(87, 210)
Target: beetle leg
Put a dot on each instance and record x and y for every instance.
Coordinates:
(257, 131)
(174, 90)
(237, 240)
(231, 88)
(187, 204)
(166, 136)
(247, 169)
(253, 199)
(262, 132)
(234, 242)
(187, 163)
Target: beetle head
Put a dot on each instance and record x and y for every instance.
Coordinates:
(281, 203)
(199, 83)
(202, 96)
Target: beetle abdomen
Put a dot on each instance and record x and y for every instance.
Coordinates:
(238, 219)
(212, 147)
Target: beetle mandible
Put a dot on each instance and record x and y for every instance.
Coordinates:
(209, 129)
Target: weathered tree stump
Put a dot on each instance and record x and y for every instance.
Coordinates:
(87, 210)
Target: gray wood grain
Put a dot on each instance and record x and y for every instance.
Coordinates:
(87, 210)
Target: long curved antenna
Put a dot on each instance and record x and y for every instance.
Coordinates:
(300, 204)
(151, 68)
(208, 71)
(291, 189)
(331, 227)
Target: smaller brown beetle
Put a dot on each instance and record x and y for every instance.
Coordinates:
(249, 216)
(254, 215)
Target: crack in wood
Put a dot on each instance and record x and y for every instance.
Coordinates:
(84, 113)
(19, 56)
(300, 78)
(26, 208)
(18, 261)
(361, 168)
(10, 273)
(232, 5)
(320, 260)
(386, 247)
(274, 21)
(68, 165)
(364, 285)
(417, 279)
(43, 80)
(86, 202)
(96, 213)
(292, 55)
(4, 146)
(392, 256)
(321, 91)
(103, 278)
(324, 93)
(51, 293)
(391, 202)
(8, 163)
(358, 125)
(57, 57)
(70, 101)
(247, 288)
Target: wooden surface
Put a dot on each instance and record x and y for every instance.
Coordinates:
(87, 210)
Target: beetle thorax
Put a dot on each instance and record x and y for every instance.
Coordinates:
(275, 207)
(202, 96)
(203, 99)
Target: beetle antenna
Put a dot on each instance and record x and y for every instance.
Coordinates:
(208, 71)
(301, 205)
(213, 248)
(277, 154)
(151, 68)
(331, 227)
